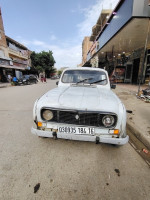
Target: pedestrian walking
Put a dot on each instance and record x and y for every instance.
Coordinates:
(9, 78)
(45, 79)
(42, 78)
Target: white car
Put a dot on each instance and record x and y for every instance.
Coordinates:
(82, 107)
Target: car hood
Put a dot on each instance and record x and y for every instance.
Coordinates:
(81, 98)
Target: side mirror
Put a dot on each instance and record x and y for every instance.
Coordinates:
(129, 111)
(57, 82)
(113, 86)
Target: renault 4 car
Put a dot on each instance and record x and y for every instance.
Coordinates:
(82, 107)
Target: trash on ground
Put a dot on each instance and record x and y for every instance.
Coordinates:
(146, 91)
(36, 188)
(144, 95)
(117, 171)
(145, 150)
(129, 111)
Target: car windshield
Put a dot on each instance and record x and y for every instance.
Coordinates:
(85, 76)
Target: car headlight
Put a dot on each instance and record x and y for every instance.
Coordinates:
(108, 120)
(47, 115)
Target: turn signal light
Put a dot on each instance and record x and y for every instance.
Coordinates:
(39, 124)
(116, 131)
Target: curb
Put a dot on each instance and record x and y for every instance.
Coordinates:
(139, 135)
(5, 85)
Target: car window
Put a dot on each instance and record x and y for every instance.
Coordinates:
(89, 76)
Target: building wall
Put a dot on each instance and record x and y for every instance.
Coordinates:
(128, 10)
(3, 44)
(140, 8)
(19, 54)
(86, 44)
(122, 16)
(14, 57)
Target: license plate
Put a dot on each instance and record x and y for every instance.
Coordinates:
(76, 130)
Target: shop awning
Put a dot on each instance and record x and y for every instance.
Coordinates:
(133, 36)
(12, 67)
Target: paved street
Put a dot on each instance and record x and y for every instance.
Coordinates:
(61, 169)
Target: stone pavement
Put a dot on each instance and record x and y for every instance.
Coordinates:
(139, 120)
(2, 85)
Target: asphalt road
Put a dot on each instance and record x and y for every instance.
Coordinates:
(35, 168)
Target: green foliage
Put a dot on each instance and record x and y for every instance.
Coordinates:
(59, 72)
(43, 61)
(39, 69)
(50, 72)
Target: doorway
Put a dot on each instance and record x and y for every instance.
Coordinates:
(135, 71)
(128, 74)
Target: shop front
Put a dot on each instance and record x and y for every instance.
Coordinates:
(124, 43)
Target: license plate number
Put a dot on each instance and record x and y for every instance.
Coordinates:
(76, 130)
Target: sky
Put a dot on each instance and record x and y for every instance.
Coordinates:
(56, 25)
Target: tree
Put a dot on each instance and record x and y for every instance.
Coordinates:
(43, 62)
(59, 72)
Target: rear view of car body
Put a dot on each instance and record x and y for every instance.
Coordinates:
(30, 79)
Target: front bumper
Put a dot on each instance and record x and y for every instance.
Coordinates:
(91, 138)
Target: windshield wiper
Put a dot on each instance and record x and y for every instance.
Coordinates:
(86, 79)
(99, 81)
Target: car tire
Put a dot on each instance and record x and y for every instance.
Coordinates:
(97, 140)
(42, 137)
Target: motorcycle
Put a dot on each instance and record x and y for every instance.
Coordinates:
(20, 82)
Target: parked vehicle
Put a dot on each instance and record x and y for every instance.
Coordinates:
(30, 79)
(55, 77)
(83, 107)
(20, 81)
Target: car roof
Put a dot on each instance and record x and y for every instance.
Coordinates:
(85, 68)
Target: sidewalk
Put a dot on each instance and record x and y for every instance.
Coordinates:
(2, 85)
(139, 120)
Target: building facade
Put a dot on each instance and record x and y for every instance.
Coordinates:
(14, 57)
(122, 46)
(4, 57)
(86, 45)
(19, 54)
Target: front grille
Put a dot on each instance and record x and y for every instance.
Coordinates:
(91, 119)
(79, 117)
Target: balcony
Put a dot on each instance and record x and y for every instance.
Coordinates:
(24, 62)
(96, 29)
(100, 23)
(21, 54)
(4, 62)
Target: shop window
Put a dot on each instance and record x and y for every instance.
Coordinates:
(148, 51)
(128, 71)
(148, 59)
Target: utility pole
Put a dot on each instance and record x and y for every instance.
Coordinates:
(145, 48)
